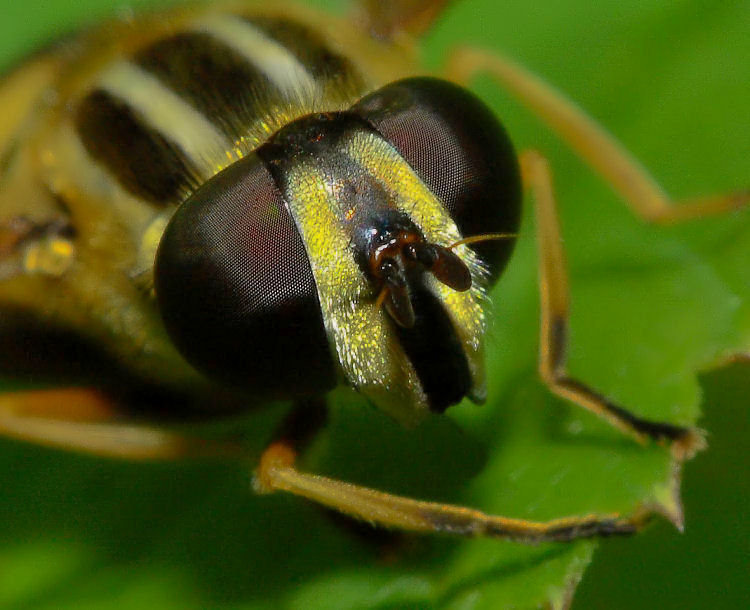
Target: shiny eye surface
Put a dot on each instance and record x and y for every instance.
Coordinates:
(460, 151)
(236, 291)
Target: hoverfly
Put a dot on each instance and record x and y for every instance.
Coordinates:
(218, 206)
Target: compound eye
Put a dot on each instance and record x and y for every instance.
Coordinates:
(459, 150)
(236, 290)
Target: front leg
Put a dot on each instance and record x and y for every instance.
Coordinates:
(555, 306)
(87, 420)
(277, 472)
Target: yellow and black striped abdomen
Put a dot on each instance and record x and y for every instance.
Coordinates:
(167, 116)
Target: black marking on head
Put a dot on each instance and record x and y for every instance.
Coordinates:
(216, 80)
(144, 161)
(315, 136)
(435, 351)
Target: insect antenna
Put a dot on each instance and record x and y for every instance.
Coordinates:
(474, 239)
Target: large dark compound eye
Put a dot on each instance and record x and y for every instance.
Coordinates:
(460, 151)
(236, 290)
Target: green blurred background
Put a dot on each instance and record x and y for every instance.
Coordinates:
(668, 77)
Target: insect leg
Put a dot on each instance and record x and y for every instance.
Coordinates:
(590, 140)
(388, 18)
(555, 307)
(88, 421)
(276, 472)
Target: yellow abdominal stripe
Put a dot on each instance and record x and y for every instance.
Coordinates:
(167, 113)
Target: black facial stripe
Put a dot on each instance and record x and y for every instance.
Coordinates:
(435, 351)
(315, 136)
(322, 63)
(143, 160)
(216, 80)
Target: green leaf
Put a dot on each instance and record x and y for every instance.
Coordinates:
(652, 307)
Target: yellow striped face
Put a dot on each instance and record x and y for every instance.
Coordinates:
(367, 348)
